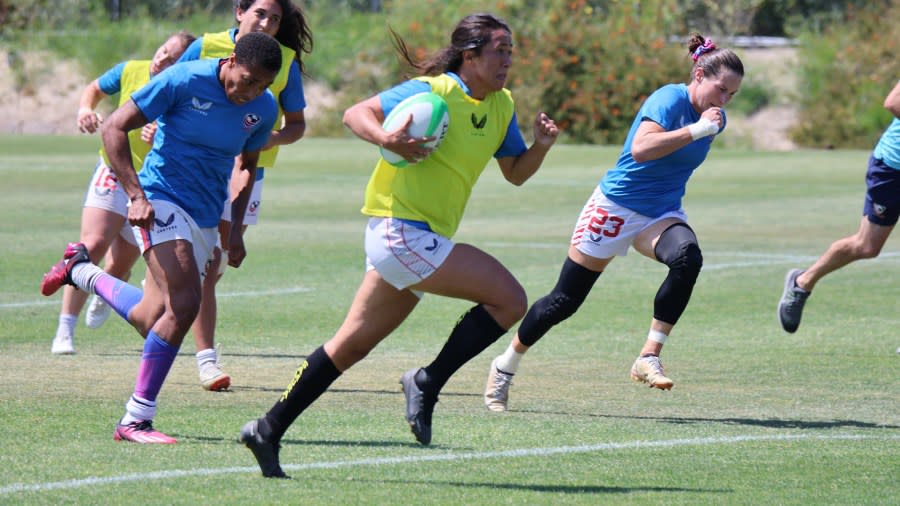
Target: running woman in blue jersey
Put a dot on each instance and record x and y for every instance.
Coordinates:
(286, 23)
(638, 204)
(881, 210)
(103, 227)
(414, 211)
(207, 113)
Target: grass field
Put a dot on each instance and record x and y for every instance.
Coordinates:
(757, 416)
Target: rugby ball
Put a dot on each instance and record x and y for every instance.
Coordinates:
(430, 118)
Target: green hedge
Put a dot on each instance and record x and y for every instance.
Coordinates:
(845, 75)
(589, 64)
(588, 68)
(591, 69)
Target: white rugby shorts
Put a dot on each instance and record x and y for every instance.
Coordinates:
(402, 253)
(251, 215)
(605, 229)
(171, 222)
(104, 192)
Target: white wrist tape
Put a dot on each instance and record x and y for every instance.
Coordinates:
(223, 264)
(703, 128)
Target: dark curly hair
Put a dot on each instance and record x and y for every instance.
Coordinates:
(258, 50)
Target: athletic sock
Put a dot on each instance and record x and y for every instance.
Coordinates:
(206, 356)
(474, 332)
(120, 296)
(67, 324)
(508, 362)
(138, 410)
(117, 293)
(312, 378)
(84, 275)
(156, 361)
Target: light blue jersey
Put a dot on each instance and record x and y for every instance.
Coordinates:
(199, 133)
(655, 187)
(888, 147)
(111, 80)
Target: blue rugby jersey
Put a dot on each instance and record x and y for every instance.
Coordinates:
(655, 187)
(200, 131)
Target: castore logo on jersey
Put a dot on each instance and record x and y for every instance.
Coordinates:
(199, 106)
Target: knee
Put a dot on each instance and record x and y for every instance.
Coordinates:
(519, 305)
(561, 306)
(866, 250)
(512, 308)
(185, 307)
(690, 260)
(678, 249)
(556, 307)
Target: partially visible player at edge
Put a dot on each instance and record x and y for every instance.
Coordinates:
(103, 226)
(414, 211)
(207, 112)
(881, 209)
(638, 204)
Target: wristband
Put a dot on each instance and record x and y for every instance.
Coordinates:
(82, 110)
(703, 128)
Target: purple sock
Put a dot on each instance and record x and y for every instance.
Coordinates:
(156, 361)
(118, 294)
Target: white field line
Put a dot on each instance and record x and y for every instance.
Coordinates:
(757, 259)
(439, 457)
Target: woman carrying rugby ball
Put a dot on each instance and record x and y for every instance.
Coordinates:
(413, 212)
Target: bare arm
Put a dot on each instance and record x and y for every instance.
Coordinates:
(114, 132)
(364, 119)
(89, 121)
(892, 102)
(652, 141)
(518, 169)
(294, 126)
(244, 173)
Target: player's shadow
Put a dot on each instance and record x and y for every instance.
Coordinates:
(552, 488)
(783, 424)
(337, 391)
(265, 355)
(356, 443)
(771, 423)
(136, 352)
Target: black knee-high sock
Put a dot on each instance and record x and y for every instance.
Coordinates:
(312, 378)
(474, 332)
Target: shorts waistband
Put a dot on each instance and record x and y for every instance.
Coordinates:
(421, 225)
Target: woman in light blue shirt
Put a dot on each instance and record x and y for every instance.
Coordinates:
(638, 204)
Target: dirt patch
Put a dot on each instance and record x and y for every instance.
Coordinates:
(768, 128)
(37, 97)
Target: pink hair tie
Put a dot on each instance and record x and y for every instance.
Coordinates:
(707, 46)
